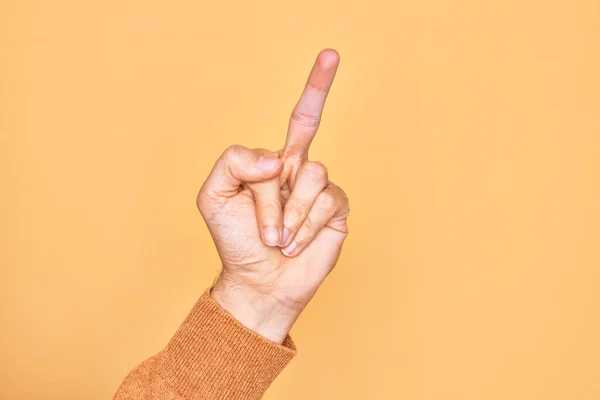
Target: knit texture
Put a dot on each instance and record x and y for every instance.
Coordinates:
(212, 356)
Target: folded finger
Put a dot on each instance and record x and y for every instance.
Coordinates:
(310, 181)
(268, 210)
(331, 204)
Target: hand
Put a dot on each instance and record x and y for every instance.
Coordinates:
(277, 221)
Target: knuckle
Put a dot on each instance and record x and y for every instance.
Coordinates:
(327, 201)
(345, 201)
(316, 171)
(306, 119)
(342, 197)
(233, 151)
(293, 158)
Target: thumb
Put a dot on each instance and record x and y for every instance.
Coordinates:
(236, 165)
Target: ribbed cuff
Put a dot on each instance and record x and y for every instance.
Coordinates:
(213, 356)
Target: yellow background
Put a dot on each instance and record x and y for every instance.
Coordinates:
(466, 134)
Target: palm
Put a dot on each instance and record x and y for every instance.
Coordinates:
(244, 253)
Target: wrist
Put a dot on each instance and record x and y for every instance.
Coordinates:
(254, 309)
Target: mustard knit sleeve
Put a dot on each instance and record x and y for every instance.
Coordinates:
(211, 356)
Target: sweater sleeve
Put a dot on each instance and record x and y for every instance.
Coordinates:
(211, 356)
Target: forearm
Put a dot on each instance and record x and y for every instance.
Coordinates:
(211, 356)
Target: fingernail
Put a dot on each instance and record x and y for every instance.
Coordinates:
(271, 236)
(289, 251)
(268, 164)
(286, 236)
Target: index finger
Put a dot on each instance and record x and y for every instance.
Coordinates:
(306, 116)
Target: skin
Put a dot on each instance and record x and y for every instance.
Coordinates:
(277, 221)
